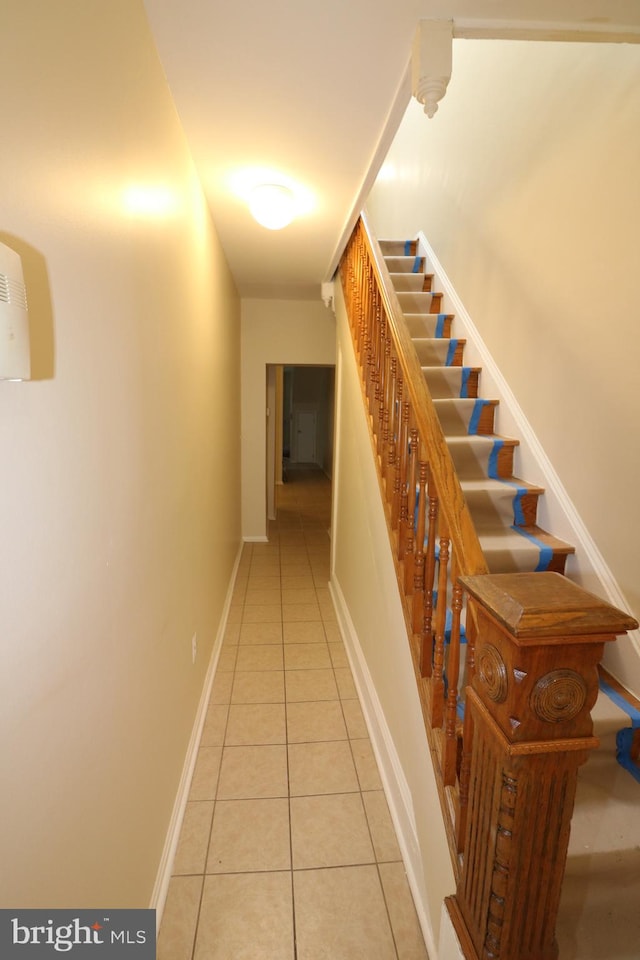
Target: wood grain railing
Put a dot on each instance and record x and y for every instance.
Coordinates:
(506, 665)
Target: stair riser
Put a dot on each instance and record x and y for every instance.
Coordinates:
(412, 282)
(405, 264)
(420, 302)
(434, 353)
(473, 460)
(505, 506)
(465, 417)
(399, 248)
(429, 326)
(447, 382)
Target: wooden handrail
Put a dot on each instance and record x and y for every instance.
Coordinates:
(461, 528)
(517, 652)
(431, 531)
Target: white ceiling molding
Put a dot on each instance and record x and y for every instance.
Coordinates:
(544, 30)
(433, 42)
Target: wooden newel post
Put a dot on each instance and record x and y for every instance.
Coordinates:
(540, 639)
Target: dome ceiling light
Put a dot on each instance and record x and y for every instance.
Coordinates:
(272, 205)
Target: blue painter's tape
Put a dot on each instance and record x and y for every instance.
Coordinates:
(464, 385)
(440, 325)
(518, 512)
(407, 248)
(493, 458)
(448, 627)
(474, 420)
(624, 742)
(546, 553)
(453, 344)
(620, 702)
(624, 737)
(417, 263)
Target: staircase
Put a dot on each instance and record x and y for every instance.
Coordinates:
(514, 639)
(503, 507)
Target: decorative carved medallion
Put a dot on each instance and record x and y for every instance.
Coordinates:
(558, 696)
(493, 673)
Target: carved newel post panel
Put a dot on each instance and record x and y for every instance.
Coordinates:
(539, 640)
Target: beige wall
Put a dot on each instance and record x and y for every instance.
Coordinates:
(120, 465)
(526, 185)
(285, 332)
(370, 612)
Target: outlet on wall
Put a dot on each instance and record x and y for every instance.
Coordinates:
(194, 647)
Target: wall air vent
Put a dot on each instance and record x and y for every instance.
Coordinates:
(15, 363)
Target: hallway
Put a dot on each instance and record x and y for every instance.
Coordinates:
(287, 850)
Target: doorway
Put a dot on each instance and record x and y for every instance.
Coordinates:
(300, 429)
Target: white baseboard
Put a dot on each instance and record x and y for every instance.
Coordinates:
(161, 886)
(394, 782)
(255, 539)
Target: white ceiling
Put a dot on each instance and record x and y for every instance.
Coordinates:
(313, 92)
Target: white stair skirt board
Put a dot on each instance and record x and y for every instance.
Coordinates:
(395, 785)
(449, 946)
(588, 567)
(161, 886)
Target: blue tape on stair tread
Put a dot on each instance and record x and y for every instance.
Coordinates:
(620, 702)
(464, 383)
(624, 737)
(624, 742)
(407, 248)
(493, 459)
(546, 552)
(453, 345)
(440, 325)
(417, 263)
(474, 420)
(518, 512)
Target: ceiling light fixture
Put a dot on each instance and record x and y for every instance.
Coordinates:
(272, 205)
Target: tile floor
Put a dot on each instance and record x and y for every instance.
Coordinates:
(287, 851)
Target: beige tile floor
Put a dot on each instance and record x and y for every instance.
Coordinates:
(287, 850)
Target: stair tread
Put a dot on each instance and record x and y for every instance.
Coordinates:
(474, 484)
(499, 532)
(486, 440)
(522, 549)
(501, 501)
(462, 401)
(403, 264)
(437, 339)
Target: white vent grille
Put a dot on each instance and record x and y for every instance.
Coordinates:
(13, 291)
